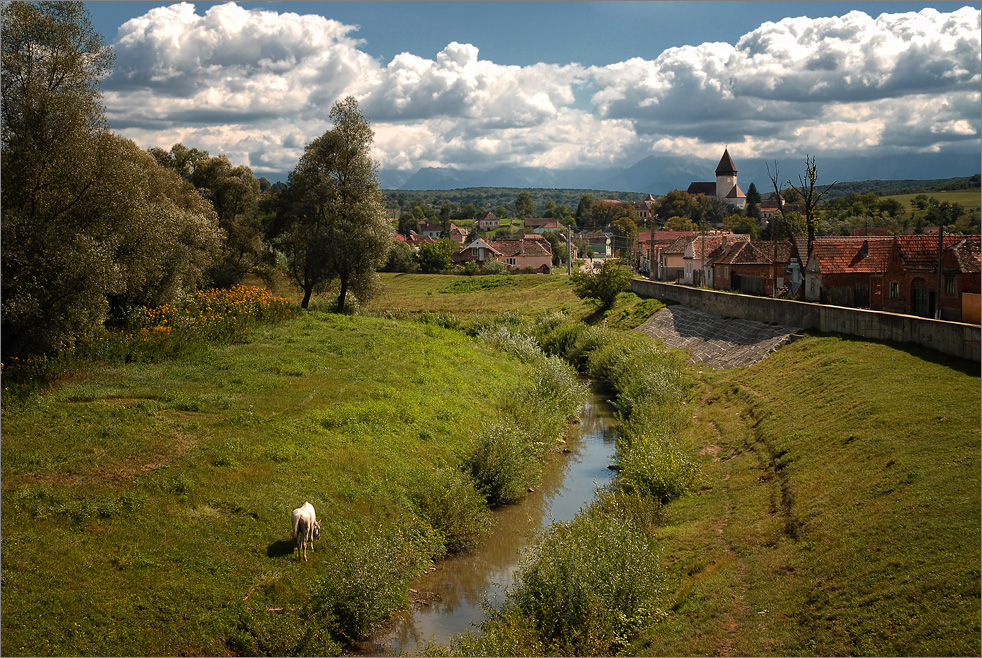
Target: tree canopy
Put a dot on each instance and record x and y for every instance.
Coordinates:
(91, 224)
(332, 224)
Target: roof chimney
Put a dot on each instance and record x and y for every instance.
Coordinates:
(864, 250)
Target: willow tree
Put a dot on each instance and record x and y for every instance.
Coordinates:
(331, 223)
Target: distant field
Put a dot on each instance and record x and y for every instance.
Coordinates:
(467, 296)
(968, 199)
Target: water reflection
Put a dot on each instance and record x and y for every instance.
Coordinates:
(447, 600)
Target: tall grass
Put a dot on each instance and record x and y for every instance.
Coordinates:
(149, 335)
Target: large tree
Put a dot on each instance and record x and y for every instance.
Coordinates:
(89, 221)
(524, 205)
(332, 224)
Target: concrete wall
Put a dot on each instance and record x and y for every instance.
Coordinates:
(955, 338)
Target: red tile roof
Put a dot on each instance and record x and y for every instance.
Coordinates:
(845, 255)
(753, 252)
(920, 252)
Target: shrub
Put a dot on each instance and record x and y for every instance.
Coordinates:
(653, 464)
(504, 461)
(369, 580)
(603, 286)
(587, 587)
(449, 502)
(495, 267)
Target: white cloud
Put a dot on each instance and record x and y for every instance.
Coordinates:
(257, 85)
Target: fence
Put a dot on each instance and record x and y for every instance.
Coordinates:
(954, 338)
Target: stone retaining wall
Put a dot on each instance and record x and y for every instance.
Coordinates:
(954, 338)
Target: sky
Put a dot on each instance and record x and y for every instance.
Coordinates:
(559, 85)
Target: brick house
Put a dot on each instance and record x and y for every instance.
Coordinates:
(649, 247)
(531, 251)
(751, 266)
(847, 271)
(540, 225)
(487, 221)
(697, 253)
(910, 279)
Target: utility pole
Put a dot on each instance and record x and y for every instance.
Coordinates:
(569, 251)
(937, 301)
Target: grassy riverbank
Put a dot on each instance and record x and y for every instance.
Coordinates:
(838, 510)
(146, 506)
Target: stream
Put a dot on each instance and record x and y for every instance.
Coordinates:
(447, 600)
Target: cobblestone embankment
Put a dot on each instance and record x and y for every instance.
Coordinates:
(716, 341)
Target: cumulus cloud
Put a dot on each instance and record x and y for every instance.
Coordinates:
(257, 85)
(799, 73)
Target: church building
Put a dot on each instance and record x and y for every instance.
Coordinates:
(725, 187)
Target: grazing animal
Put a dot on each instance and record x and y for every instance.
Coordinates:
(305, 529)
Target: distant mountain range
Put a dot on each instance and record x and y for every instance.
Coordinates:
(661, 174)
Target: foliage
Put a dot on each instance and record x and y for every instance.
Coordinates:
(331, 221)
(506, 457)
(434, 257)
(587, 587)
(89, 221)
(524, 206)
(151, 334)
(402, 258)
(603, 286)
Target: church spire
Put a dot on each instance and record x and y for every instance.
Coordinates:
(726, 166)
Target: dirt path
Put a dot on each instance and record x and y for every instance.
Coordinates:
(714, 340)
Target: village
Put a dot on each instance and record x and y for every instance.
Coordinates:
(923, 274)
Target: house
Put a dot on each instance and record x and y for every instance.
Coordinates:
(670, 260)
(414, 239)
(645, 208)
(847, 271)
(757, 267)
(725, 187)
(487, 221)
(910, 279)
(649, 247)
(697, 254)
(434, 230)
(600, 244)
(541, 225)
(530, 251)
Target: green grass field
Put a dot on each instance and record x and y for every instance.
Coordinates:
(142, 504)
(145, 507)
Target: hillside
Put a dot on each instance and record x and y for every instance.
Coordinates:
(838, 510)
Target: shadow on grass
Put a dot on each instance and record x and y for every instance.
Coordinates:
(280, 548)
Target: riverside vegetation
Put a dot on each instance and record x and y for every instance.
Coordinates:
(824, 501)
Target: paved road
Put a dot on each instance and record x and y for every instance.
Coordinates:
(716, 341)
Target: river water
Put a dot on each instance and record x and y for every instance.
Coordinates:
(447, 600)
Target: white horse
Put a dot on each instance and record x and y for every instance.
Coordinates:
(305, 529)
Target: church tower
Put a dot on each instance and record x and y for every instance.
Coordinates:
(726, 175)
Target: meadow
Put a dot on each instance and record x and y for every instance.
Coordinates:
(822, 502)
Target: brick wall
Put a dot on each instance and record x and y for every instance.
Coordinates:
(954, 338)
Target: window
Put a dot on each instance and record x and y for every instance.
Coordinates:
(726, 272)
(894, 290)
(511, 261)
(950, 288)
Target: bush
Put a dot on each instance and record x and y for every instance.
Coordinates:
(369, 580)
(495, 267)
(603, 286)
(504, 461)
(588, 586)
(449, 502)
(653, 464)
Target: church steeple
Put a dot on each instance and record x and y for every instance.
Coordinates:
(726, 166)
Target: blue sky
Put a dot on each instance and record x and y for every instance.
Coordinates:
(548, 84)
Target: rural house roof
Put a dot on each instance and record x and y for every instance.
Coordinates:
(846, 255)
(709, 189)
(704, 245)
(541, 222)
(752, 252)
(679, 245)
(528, 246)
(920, 252)
(736, 193)
(487, 214)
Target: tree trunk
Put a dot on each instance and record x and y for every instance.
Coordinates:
(342, 294)
(306, 298)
